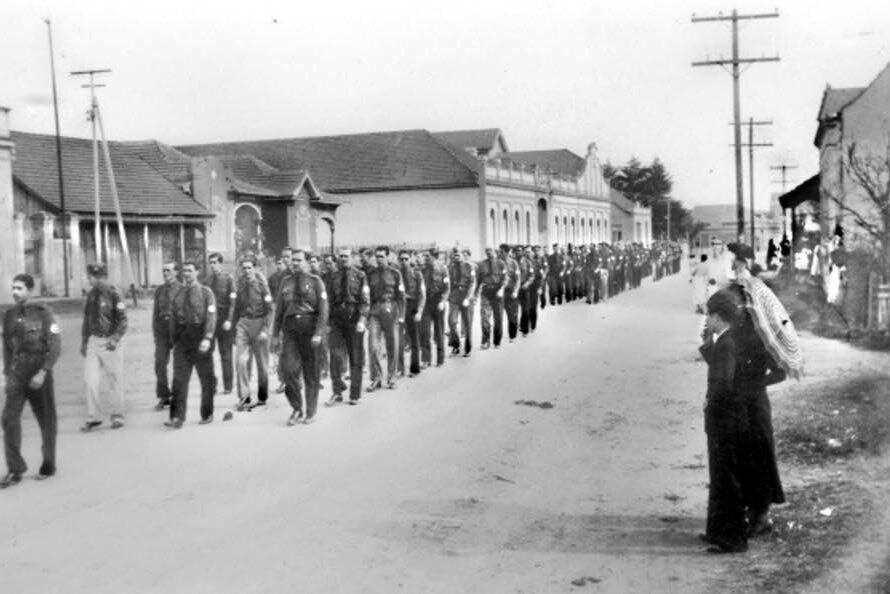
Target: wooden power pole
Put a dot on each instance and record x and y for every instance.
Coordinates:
(735, 62)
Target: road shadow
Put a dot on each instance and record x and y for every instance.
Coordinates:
(472, 524)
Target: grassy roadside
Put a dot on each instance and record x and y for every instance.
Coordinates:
(821, 429)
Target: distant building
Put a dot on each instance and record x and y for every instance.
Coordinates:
(719, 222)
(631, 221)
(462, 188)
(852, 118)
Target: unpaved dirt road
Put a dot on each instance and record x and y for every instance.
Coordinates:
(443, 485)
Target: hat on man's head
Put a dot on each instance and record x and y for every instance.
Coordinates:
(97, 269)
(742, 251)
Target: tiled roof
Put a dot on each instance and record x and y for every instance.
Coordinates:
(267, 180)
(834, 100)
(562, 161)
(620, 200)
(357, 162)
(484, 141)
(142, 189)
(166, 160)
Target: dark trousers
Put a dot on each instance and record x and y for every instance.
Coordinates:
(727, 463)
(456, 312)
(511, 308)
(347, 351)
(43, 404)
(528, 299)
(298, 359)
(186, 357)
(763, 486)
(554, 286)
(492, 310)
(432, 327)
(225, 341)
(410, 338)
(542, 284)
(163, 350)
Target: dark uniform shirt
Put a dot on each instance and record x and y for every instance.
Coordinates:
(415, 290)
(252, 300)
(223, 288)
(492, 275)
(386, 285)
(104, 314)
(194, 309)
(435, 279)
(31, 340)
(463, 281)
(302, 294)
(512, 271)
(349, 295)
(275, 281)
(162, 313)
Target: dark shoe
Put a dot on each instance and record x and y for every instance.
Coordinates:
(117, 421)
(353, 401)
(414, 374)
(295, 417)
(162, 404)
(262, 393)
(391, 386)
(373, 387)
(173, 423)
(466, 354)
(206, 420)
(258, 403)
(13, 478)
(243, 404)
(90, 426)
(45, 471)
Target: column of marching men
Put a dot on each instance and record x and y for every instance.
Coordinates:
(317, 316)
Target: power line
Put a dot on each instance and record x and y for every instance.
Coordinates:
(751, 146)
(735, 61)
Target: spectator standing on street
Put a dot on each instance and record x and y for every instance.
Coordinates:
(194, 320)
(162, 330)
(223, 287)
(31, 347)
(104, 324)
(726, 426)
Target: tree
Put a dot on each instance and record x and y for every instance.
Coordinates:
(650, 186)
(863, 192)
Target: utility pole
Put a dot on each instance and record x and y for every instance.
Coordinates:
(751, 145)
(96, 118)
(63, 214)
(94, 107)
(735, 17)
(789, 220)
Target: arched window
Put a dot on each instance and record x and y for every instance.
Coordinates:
(573, 238)
(505, 224)
(557, 229)
(584, 232)
(528, 227)
(492, 228)
(516, 235)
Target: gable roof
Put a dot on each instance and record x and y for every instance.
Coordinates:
(357, 162)
(617, 198)
(484, 141)
(142, 189)
(806, 191)
(561, 161)
(835, 100)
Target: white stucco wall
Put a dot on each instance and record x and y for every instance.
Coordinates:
(445, 217)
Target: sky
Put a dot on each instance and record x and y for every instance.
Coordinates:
(549, 74)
